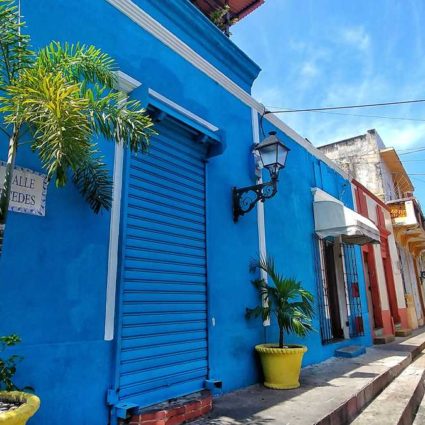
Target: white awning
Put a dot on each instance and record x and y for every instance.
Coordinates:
(332, 219)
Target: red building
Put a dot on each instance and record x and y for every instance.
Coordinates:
(387, 306)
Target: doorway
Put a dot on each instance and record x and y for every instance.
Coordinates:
(332, 290)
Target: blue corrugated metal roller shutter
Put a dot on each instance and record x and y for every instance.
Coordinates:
(163, 347)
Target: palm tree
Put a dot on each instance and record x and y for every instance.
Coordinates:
(63, 97)
(286, 300)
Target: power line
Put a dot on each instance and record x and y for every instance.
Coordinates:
(409, 149)
(332, 108)
(418, 179)
(413, 160)
(413, 151)
(366, 116)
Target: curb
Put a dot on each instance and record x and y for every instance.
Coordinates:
(349, 410)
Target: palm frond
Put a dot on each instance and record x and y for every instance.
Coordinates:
(65, 95)
(291, 304)
(14, 46)
(94, 183)
(119, 120)
(55, 113)
(267, 265)
(79, 62)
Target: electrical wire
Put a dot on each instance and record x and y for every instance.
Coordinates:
(413, 151)
(365, 116)
(331, 108)
(413, 160)
(409, 149)
(418, 179)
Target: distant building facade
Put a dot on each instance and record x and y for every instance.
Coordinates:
(379, 169)
(387, 306)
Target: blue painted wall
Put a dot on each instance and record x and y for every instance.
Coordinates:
(53, 272)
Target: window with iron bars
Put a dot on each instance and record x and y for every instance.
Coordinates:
(330, 317)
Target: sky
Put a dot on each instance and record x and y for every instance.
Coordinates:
(319, 53)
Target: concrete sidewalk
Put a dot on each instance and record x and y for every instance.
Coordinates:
(331, 392)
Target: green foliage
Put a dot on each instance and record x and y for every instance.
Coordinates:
(65, 96)
(220, 17)
(93, 182)
(8, 364)
(14, 46)
(285, 299)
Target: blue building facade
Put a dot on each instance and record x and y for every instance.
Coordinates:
(150, 307)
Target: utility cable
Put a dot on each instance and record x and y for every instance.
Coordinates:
(367, 116)
(332, 108)
(413, 151)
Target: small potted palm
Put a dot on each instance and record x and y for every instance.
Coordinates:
(292, 307)
(16, 405)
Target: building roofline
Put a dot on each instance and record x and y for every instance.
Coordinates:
(348, 139)
(395, 165)
(149, 24)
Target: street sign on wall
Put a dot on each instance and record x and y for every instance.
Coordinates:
(28, 192)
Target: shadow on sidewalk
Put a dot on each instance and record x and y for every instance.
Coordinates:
(323, 388)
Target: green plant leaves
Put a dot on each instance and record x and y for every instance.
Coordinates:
(291, 304)
(65, 95)
(8, 365)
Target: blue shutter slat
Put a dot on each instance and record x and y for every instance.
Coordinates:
(163, 305)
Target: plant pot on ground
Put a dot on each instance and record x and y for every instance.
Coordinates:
(16, 407)
(292, 307)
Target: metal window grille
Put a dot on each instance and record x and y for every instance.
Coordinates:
(354, 306)
(322, 291)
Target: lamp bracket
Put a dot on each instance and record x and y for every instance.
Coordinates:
(245, 198)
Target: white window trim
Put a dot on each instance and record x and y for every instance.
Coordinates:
(126, 84)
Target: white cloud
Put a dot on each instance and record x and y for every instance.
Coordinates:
(309, 69)
(356, 37)
(404, 136)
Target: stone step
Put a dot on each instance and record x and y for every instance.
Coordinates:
(398, 402)
(350, 351)
(383, 339)
(378, 332)
(420, 414)
(403, 332)
(333, 392)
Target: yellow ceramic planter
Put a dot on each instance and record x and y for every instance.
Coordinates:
(20, 415)
(281, 366)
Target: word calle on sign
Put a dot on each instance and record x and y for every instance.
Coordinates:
(28, 191)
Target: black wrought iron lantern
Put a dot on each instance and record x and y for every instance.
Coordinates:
(272, 153)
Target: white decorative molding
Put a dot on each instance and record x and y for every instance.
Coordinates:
(182, 110)
(145, 21)
(126, 83)
(261, 226)
(114, 233)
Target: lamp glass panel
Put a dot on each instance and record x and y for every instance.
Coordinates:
(282, 154)
(268, 154)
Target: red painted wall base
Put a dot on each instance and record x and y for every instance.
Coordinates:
(403, 318)
(176, 413)
(387, 320)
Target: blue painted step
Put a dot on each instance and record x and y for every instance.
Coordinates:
(350, 351)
